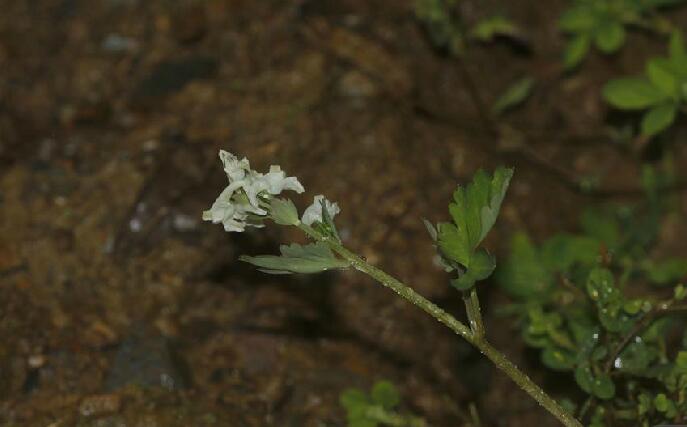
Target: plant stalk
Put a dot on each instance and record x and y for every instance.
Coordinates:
(474, 313)
(496, 357)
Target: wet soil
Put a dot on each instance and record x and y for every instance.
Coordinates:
(119, 307)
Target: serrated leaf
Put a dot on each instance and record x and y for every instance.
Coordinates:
(482, 264)
(384, 393)
(454, 243)
(474, 211)
(575, 51)
(283, 212)
(658, 119)
(662, 75)
(514, 95)
(632, 93)
(609, 37)
(312, 258)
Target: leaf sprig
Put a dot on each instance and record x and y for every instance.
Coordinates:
(662, 90)
(474, 210)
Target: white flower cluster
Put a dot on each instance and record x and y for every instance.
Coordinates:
(242, 197)
(314, 212)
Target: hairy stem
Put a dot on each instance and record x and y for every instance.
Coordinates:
(496, 357)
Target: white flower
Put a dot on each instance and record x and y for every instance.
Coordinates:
(314, 212)
(243, 195)
(230, 214)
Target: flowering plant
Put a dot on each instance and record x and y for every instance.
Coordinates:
(251, 197)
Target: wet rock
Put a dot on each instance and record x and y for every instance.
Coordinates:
(171, 76)
(145, 358)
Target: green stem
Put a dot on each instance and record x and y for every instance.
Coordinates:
(474, 312)
(406, 292)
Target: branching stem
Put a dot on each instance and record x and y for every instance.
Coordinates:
(471, 335)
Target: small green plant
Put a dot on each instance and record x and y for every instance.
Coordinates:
(447, 30)
(572, 303)
(251, 198)
(601, 23)
(378, 408)
(662, 91)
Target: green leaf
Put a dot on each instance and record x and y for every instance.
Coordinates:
(557, 359)
(384, 393)
(665, 272)
(312, 258)
(678, 56)
(454, 243)
(486, 29)
(658, 119)
(603, 387)
(575, 51)
(327, 226)
(524, 275)
(664, 404)
(584, 377)
(609, 37)
(676, 48)
(681, 362)
(482, 264)
(680, 292)
(353, 398)
(514, 95)
(662, 75)
(474, 211)
(632, 93)
(283, 212)
(636, 357)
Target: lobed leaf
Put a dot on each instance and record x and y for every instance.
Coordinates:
(295, 258)
(482, 264)
(474, 211)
